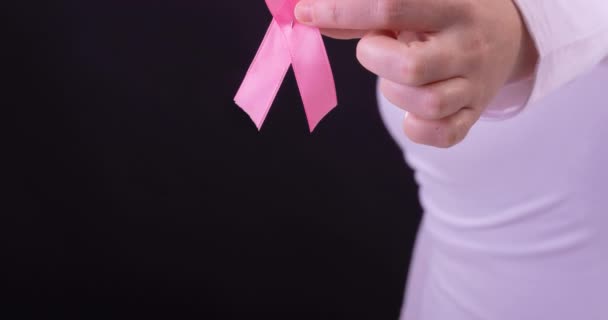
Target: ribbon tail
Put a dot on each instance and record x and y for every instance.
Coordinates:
(313, 73)
(265, 76)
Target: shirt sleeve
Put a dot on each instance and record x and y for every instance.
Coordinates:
(571, 38)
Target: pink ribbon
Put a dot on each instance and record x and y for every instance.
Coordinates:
(286, 43)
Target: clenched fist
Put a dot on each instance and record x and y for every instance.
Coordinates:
(440, 60)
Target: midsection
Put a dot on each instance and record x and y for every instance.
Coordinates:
(516, 219)
(536, 183)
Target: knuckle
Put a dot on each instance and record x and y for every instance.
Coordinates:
(415, 70)
(470, 63)
(477, 43)
(403, 68)
(411, 68)
(334, 12)
(466, 8)
(461, 11)
(432, 104)
(388, 11)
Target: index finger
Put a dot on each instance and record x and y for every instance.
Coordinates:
(413, 15)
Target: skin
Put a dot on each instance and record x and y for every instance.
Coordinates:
(441, 60)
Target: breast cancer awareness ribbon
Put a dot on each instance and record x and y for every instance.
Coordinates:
(288, 43)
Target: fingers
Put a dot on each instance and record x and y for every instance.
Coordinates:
(414, 64)
(348, 34)
(431, 102)
(442, 133)
(415, 15)
(342, 34)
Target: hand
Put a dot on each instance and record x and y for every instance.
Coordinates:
(441, 60)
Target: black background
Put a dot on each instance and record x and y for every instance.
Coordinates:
(138, 189)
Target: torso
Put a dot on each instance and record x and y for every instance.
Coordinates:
(515, 216)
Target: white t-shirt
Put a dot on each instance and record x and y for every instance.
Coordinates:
(516, 216)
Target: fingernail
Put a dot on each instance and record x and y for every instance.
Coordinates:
(303, 12)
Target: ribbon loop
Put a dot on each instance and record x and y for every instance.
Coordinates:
(288, 43)
(282, 10)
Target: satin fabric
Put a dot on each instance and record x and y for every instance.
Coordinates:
(286, 43)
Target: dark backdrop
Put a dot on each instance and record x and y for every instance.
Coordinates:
(139, 189)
